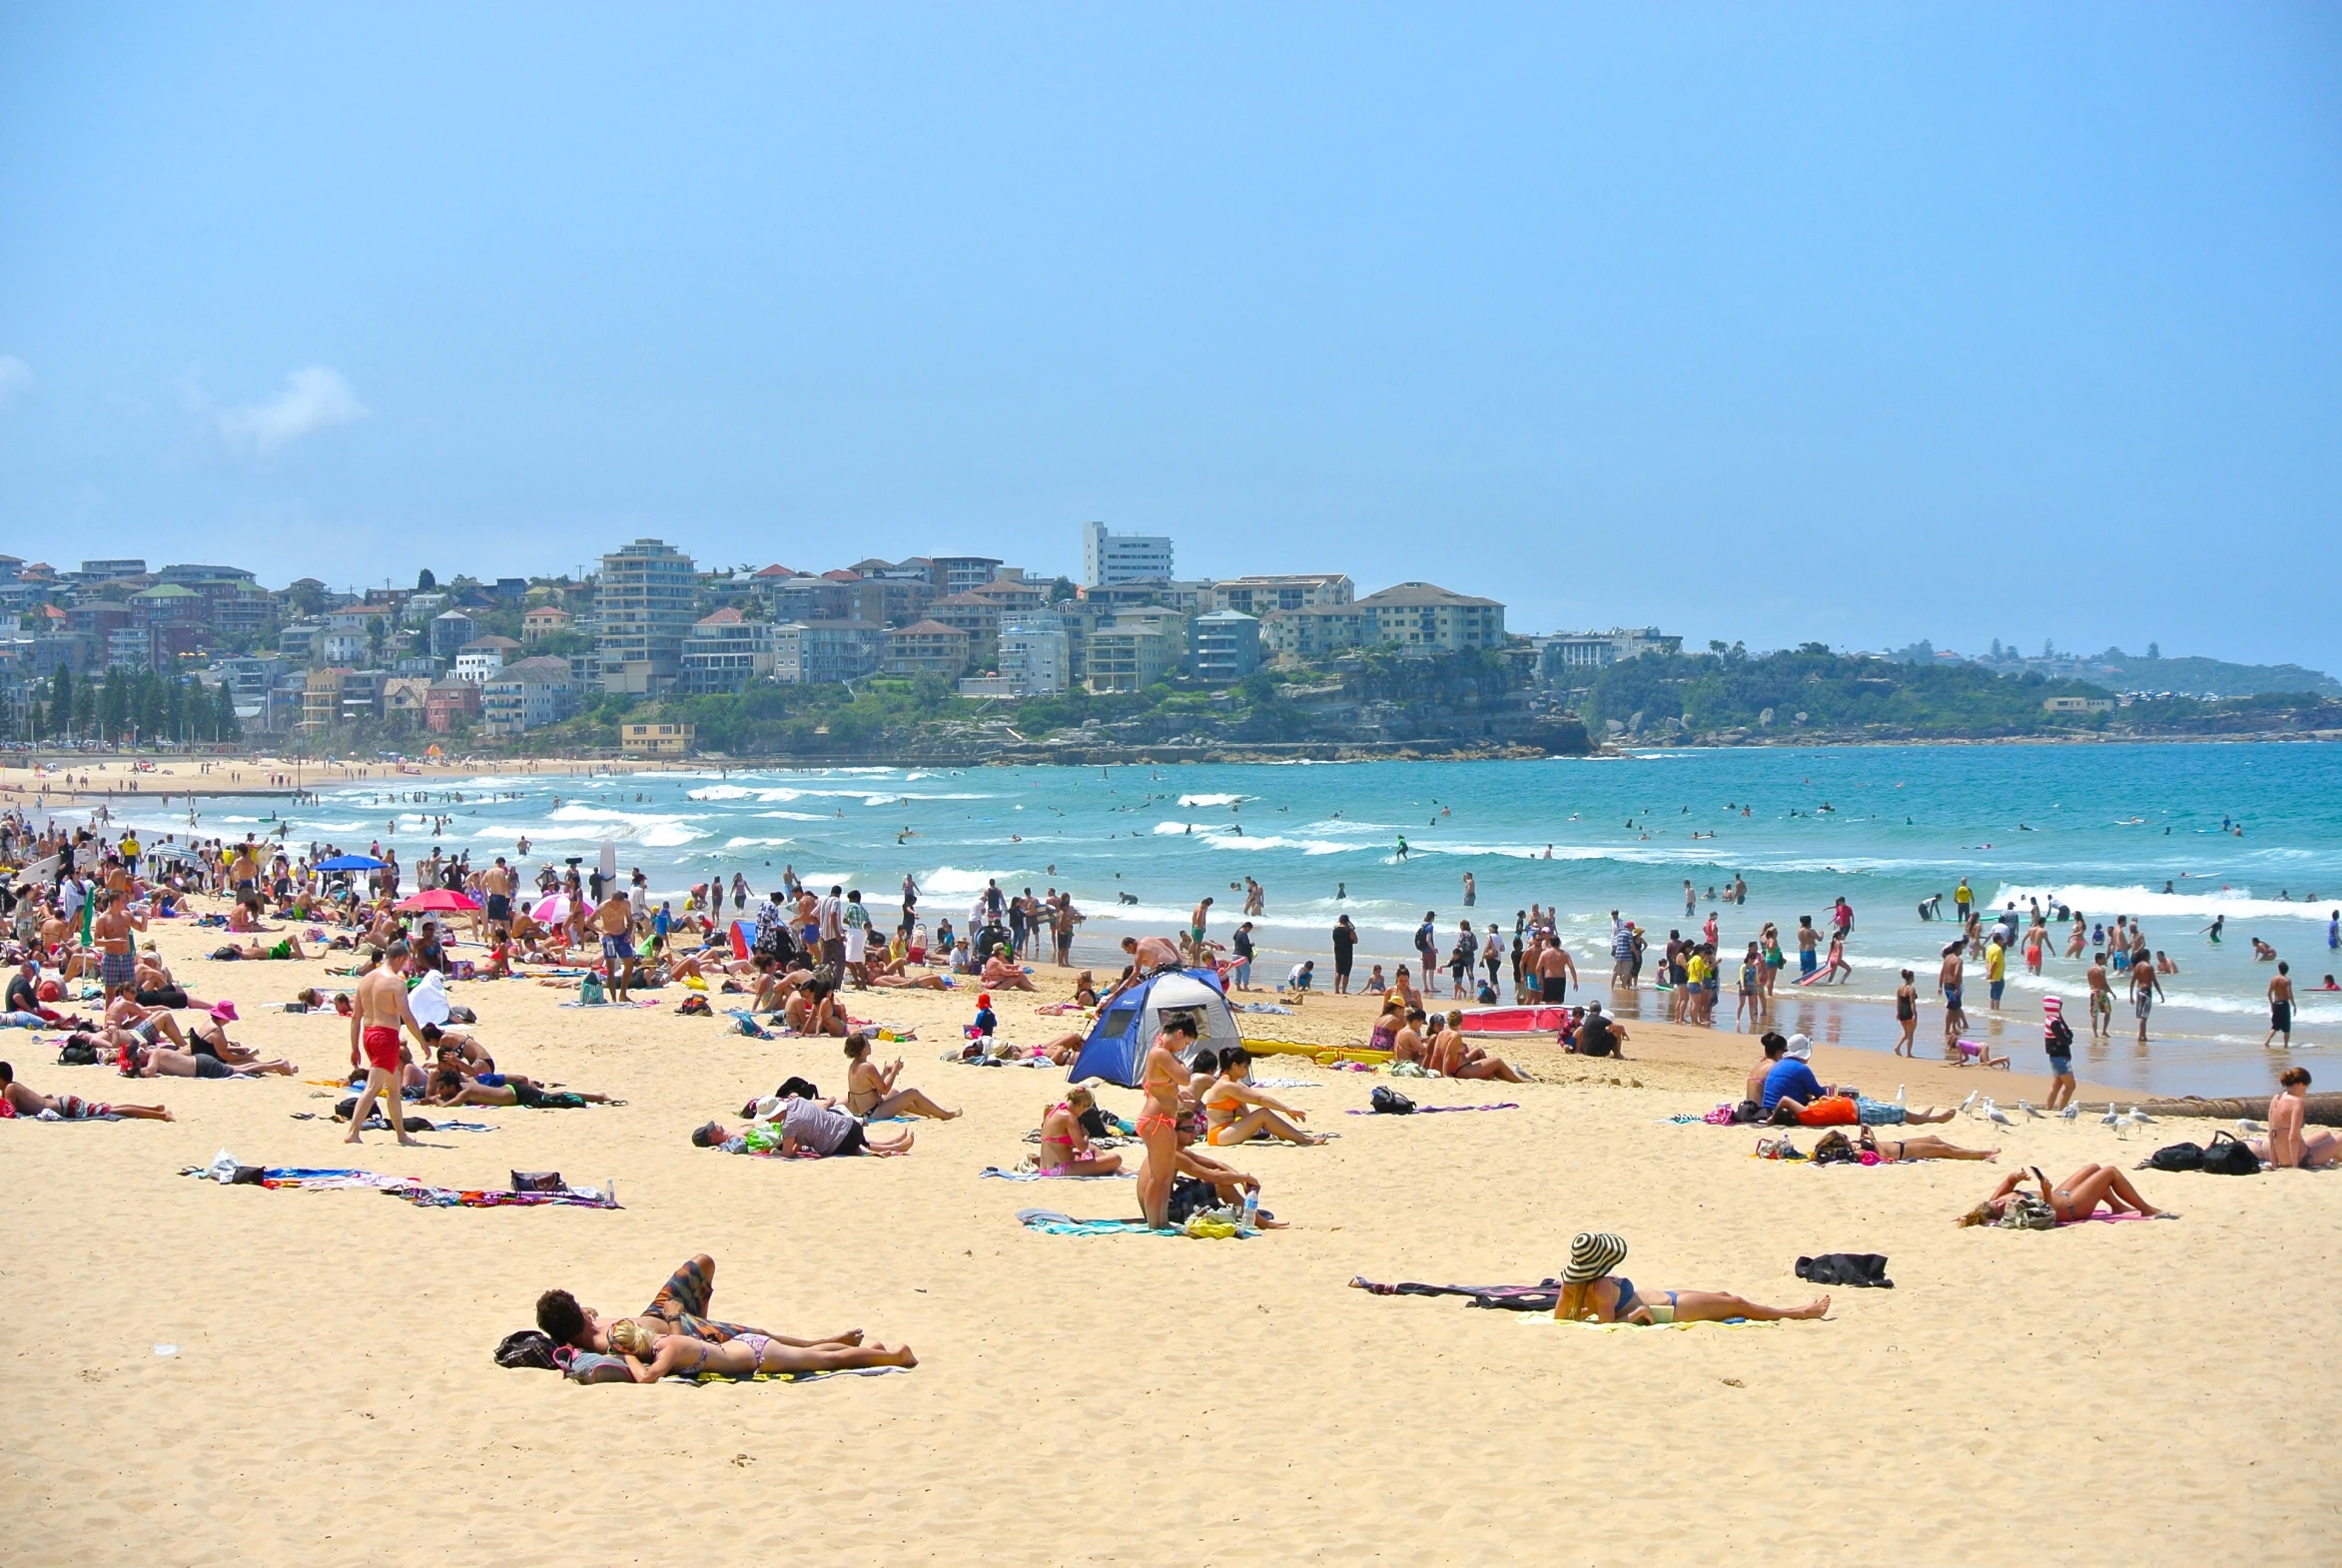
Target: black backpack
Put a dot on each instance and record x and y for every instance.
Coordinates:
(527, 1348)
(2230, 1156)
(2175, 1156)
(78, 1053)
(1389, 1101)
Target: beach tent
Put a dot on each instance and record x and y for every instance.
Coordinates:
(1118, 1041)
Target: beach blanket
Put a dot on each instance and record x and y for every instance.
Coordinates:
(1548, 1320)
(1265, 1007)
(1323, 1056)
(998, 1175)
(954, 1057)
(591, 1367)
(1424, 1111)
(1049, 1222)
(642, 1004)
(1287, 1082)
(492, 1198)
(1539, 1297)
(312, 1178)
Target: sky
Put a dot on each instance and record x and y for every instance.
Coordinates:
(1760, 323)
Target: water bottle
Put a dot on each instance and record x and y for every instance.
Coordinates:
(1252, 1211)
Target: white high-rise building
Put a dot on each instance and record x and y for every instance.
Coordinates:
(643, 606)
(1111, 558)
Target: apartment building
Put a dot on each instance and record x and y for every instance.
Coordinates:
(1223, 647)
(726, 652)
(1134, 649)
(529, 692)
(1257, 596)
(643, 609)
(1423, 617)
(927, 647)
(1109, 558)
(816, 651)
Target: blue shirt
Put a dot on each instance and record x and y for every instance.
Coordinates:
(1792, 1078)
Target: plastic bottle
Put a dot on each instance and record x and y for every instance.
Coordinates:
(1252, 1211)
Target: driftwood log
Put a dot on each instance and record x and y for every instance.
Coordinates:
(2319, 1110)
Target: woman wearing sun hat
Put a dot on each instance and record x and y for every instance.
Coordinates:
(1592, 1293)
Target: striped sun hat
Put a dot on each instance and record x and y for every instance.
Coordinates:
(1593, 1254)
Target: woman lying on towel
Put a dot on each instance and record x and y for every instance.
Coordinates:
(1065, 1143)
(2075, 1199)
(1925, 1147)
(1590, 1293)
(450, 1088)
(1237, 1113)
(653, 1357)
(24, 1101)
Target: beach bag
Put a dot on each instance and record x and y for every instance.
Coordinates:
(78, 1053)
(527, 1348)
(2178, 1157)
(2027, 1212)
(1192, 1196)
(2232, 1156)
(539, 1181)
(1389, 1101)
(590, 991)
(695, 1007)
(1722, 1116)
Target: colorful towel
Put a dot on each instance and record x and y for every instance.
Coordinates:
(998, 1175)
(1049, 1222)
(492, 1198)
(643, 1004)
(1424, 1111)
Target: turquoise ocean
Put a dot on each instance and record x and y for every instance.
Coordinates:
(2110, 830)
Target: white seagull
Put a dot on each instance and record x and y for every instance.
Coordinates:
(1968, 1106)
(2069, 1114)
(2140, 1118)
(2110, 1119)
(1994, 1112)
(2027, 1107)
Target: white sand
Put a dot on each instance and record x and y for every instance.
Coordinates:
(2110, 1392)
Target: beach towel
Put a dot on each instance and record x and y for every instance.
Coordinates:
(494, 1198)
(1287, 1082)
(646, 1003)
(1539, 1297)
(1424, 1111)
(1548, 1320)
(997, 1173)
(1049, 1222)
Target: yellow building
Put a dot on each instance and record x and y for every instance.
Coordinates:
(657, 739)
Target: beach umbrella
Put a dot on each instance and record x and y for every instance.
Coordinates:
(436, 899)
(351, 863)
(551, 909)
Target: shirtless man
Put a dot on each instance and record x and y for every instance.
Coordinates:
(111, 933)
(2280, 1008)
(1555, 971)
(1150, 953)
(1947, 980)
(379, 1013)
(2101, 998)
(615, 920)
(1407, 1044)
(2145, 992)
(497, 883)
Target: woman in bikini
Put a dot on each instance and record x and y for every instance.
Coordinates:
(2074, 1199)
(1451, 1055)
(1925, 1147)
(1906, 1017)
(871, 1092)
(653, 1357)
(1384, 1035)
(1237, 1113)
(24, 1101)
(1590, 1293)
(1159, 1083)
(1065, 1143)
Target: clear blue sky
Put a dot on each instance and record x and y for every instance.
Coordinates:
(1852, 323)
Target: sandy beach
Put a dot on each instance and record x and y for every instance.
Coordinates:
(2108, 1392)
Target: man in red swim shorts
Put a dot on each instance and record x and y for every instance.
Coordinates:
(381, 1012)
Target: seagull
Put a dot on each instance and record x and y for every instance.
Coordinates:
(2027, 1109)
(2069, 1115)
(2110, 1119)
(1968, 1106)
(2125, 1123)
(2140, 1118)
(1994, 1112)
(2246, 1125)
(1899, 1089)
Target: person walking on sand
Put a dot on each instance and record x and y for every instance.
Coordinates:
(2281, 1007)
(376, 1018)
(111, 932)
(2057, 1045)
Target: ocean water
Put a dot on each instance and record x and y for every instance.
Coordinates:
(2110, 830)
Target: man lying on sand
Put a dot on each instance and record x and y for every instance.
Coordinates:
(805, 1127)
(1591, 1294)
(679, 1308)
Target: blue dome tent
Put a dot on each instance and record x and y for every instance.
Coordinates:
(1117, 1048)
